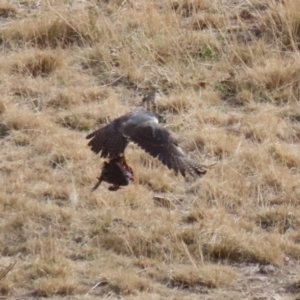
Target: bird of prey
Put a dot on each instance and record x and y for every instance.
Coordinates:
(141, 127)
(116, 172)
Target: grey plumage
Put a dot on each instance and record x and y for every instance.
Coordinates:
(141, 127)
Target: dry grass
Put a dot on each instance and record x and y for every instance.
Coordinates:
(37, 63)
(230, 77)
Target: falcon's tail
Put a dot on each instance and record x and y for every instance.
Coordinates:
(194, 168)
(202, 169)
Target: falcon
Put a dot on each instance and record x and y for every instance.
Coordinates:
(142, 128)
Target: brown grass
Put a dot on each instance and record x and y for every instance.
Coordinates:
(37, 64)
(229, 74)
(118, 282)
(208, 276)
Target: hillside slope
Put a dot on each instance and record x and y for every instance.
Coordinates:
(229, 72)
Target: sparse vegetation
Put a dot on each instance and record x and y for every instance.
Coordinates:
(229, 73)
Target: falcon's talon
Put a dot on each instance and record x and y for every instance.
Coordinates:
(114, 188)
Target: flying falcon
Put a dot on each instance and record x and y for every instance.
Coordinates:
(141, 127)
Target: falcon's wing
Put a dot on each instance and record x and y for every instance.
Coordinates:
(110, 142)
(159, 142)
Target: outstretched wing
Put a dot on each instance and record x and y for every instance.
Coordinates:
(159, 142)
(109, 141)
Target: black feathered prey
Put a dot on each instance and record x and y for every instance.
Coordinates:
(116, 172)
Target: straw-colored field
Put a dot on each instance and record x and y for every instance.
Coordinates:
(229, 72)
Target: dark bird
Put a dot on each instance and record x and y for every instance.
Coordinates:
(116, 172)
(141, 127)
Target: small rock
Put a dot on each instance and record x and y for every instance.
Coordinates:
(276, 297)
(4, 130)
(268, 269)
(164, 202)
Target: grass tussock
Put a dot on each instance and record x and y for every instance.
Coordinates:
(231, 248)
(8, 10)
(5, 283)
(46, 287)
(51, 31)
(157, 181)
(204, 276)
(2, 107)
(30, 91)
(69, 97)
(76, 122)
(4, 130)
(284, 24)
(188, 8)
(118, 283)
(202, 21)
(38, 64)
(137, 244)
(267, 81)
(20, 119)
(229, 80)
(293, 287)
(285, 155)
(175, 105)
(279, 219)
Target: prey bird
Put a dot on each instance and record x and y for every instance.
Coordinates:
(116, 172)
(142, 128)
